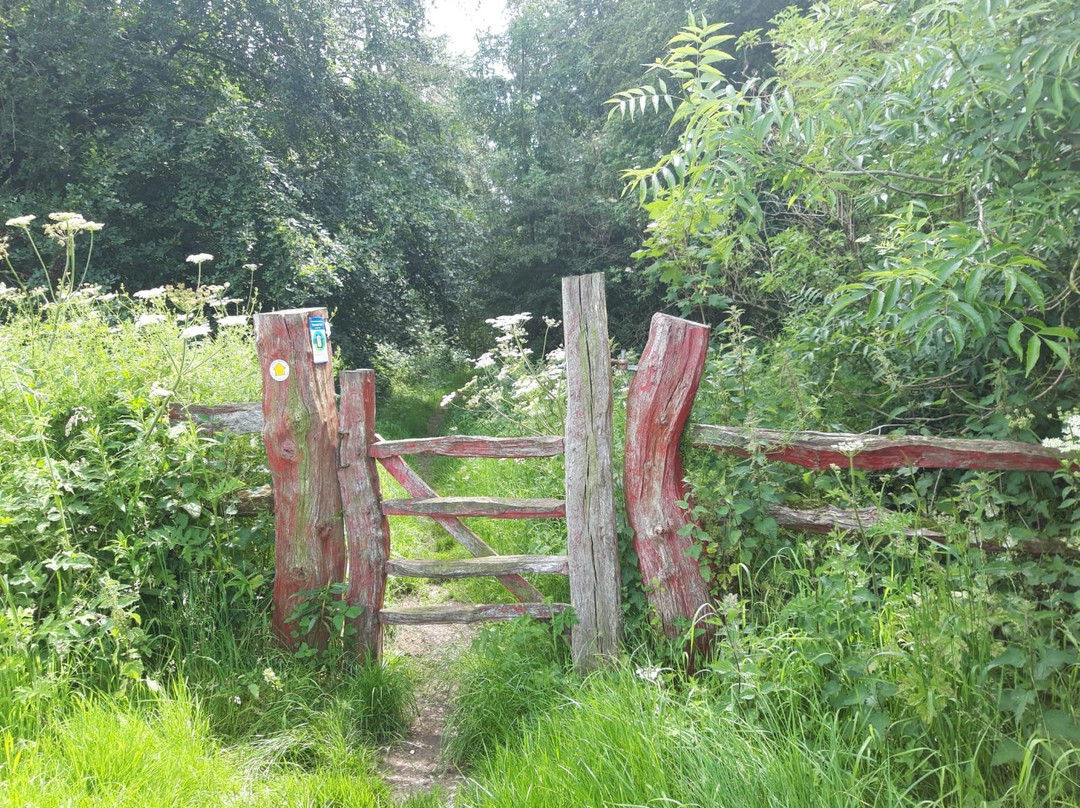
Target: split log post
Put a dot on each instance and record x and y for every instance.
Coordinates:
(657, 408)
(300, 430)
(590, 487)
(366, 529)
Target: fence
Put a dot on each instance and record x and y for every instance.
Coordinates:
(331, 518)
(330, 514)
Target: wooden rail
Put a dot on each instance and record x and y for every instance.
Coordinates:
(489, 507)
(451, 568)
(415, 486)
(822, 450)
(457, 613)
(471, 446)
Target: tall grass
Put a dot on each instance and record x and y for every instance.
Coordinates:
(157, 751)
(623, 740)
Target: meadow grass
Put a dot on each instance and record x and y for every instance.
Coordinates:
(157, 751)
(619, 739)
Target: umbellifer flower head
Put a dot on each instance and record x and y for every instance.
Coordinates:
(20, 221)
(199, 258)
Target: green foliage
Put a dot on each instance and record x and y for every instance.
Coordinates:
(629, 740)
(536, 95)
(512, 675)
(158, 751)
(908, 176)
(114, 521)
(298, 141)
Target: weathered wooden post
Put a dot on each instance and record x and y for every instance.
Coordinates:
(590, 485)
(300, 430)
(657, 408)
(366, 529)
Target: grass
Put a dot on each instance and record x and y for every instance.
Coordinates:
(623, 740)
(157, 751)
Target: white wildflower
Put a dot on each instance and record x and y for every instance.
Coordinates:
(551, 322)
(20, 221)
(146, 294)
(222, 302)
(232, 319)
(158, 391)
(195, 331)
(522, 387)
(447, 399)
(199, 258)
(68, 224)
(149, 319)
(649, 674)
(486, 360)
(271, 678)
(1070, 435)
(509, 320)
(557, 356)
(850, 447)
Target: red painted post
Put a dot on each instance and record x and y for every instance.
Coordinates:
(366, 528)
(590, 484)
(300, 430)
(657, 408)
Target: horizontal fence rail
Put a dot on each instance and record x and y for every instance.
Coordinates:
(471, 446)
(488, 507)
(822, 450)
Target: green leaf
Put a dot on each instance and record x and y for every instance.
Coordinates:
(1012, 658)
(1061, 351)
(1013, 338)
(1034, 348)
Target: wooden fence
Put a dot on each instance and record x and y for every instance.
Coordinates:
(331, 517)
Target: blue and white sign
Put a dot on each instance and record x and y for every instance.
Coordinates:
(320, 340)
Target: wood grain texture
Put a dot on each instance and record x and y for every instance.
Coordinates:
(820, 450)
(239, 419)
(489, 507)
(589, 469)
(415, 486)
(300, 430)
(367, 532)
(829, 518)
(457, 613)
(657, 408)
(472, 446)
(451, 568)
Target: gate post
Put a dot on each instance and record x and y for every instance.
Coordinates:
(590, 486)
(366, 528)
(657, 408)
(300, 430)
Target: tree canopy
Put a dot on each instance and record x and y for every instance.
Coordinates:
(294, 137)
(904, 189)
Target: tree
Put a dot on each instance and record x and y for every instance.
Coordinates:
(553, 156)
(293, 137)
(905, 186)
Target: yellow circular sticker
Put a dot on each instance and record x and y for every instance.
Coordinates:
(279, 370)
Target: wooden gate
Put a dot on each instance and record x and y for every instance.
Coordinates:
(331, 518)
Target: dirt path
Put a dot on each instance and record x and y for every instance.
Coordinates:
(413, 765)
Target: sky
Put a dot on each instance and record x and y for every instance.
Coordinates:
(460, 20)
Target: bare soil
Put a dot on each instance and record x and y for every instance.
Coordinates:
(413, 765)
